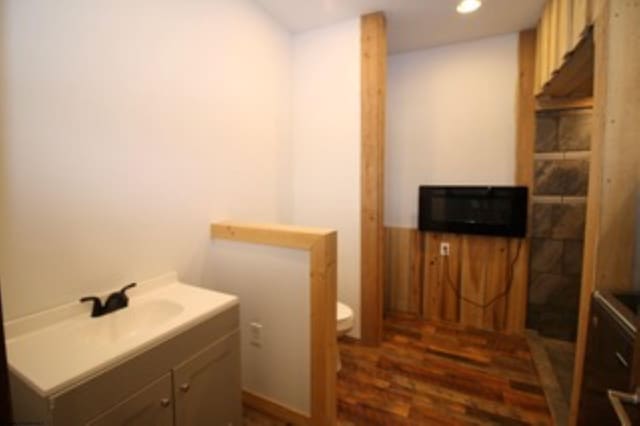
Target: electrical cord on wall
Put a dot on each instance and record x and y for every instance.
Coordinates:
(506, 291)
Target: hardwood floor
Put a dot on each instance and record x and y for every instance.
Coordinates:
(427, 373)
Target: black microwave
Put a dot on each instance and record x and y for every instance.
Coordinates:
(483, 210)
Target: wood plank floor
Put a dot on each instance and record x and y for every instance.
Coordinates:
(429, 373)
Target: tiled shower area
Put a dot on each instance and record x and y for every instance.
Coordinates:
(562, 150)
(558, 218)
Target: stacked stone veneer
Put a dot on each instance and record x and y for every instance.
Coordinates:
(563, 141)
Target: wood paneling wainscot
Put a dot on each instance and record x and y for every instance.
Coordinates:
(404, 262)
(470, 286)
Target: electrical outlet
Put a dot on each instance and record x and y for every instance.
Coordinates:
(255, 333)
(444, 249)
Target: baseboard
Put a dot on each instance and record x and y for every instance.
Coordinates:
(274, 409)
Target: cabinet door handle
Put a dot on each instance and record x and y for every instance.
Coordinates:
(185, 387)
(165, 402)
(622, 360)
(617, 398)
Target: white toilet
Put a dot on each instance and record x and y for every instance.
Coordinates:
(345, 323)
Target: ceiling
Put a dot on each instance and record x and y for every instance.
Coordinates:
(412, 24)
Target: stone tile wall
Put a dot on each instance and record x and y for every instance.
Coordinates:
(563, 140)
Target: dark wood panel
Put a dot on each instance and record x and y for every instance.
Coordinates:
(428, 372)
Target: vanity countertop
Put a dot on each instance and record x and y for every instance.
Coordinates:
(55, 349)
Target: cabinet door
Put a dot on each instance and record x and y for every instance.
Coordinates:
(607, 366)
(152, 406)
(207, 386)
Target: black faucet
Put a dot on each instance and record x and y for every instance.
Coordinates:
(115, 301)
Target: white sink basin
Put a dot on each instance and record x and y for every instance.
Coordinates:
(54, 349)
(138, 319)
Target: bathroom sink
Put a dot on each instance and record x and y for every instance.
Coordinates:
(54, 349)
(136, 320)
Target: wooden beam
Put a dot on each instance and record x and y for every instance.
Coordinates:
(324, 344)
(516, 309)
(526, 106)
(373, 73)
(273, 235)
(322, 246)
(614, 179)
(592, 217)
(554, 104)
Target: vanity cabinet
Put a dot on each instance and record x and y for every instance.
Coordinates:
(190, 379)
(211, 372)
(150, 406)
(200, 391)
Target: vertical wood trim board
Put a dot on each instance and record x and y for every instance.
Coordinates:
(477, 268)
(516, 315)
(592, 221)
(525, 141)
(614, 176)
(373, 73)
(324, 345)
(526, 107)
(322, 247)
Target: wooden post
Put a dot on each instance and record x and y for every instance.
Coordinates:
(525, 140)
(373, 69)
(614, 179)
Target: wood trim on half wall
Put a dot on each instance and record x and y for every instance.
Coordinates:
(374, 80)
(321, 244)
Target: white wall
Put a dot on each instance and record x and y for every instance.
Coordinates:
(325, 157)
(129, 126)
(274, 291)
(451, 121)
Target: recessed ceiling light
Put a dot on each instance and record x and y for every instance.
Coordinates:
(468, 6)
